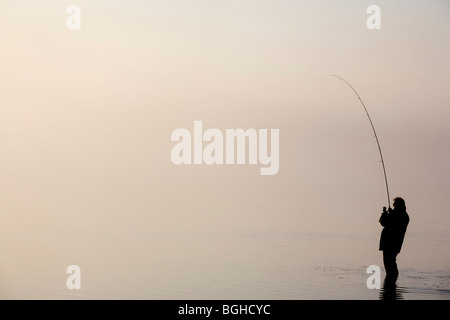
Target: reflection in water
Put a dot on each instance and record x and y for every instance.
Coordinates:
(390, 290)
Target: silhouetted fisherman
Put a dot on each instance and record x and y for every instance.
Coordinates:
(395, 221)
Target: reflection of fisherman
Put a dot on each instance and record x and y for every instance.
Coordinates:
(395, 221)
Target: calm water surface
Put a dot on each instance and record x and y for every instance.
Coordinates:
(225, 266)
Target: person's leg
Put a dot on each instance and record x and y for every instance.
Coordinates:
(390, 264)
(386, 261)
(394, 264)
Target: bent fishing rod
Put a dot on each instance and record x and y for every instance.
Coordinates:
(374, 132)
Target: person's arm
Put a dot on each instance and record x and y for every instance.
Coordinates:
(384, 219)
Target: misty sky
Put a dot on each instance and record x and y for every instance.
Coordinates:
(86, 115)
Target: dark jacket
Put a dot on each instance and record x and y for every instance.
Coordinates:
(395, 223)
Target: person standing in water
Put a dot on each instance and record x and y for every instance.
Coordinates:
(394, 222)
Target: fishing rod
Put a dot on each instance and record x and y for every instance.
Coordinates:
(374, 132)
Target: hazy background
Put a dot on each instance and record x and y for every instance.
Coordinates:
(86, 118)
